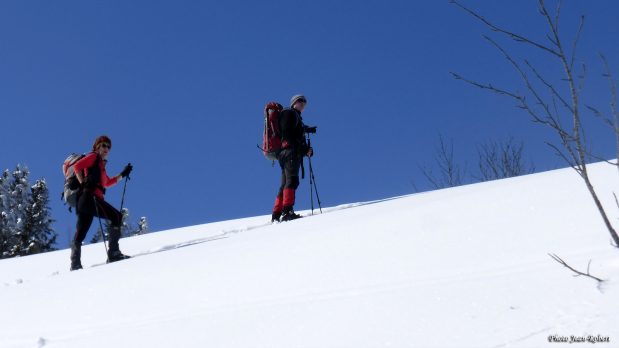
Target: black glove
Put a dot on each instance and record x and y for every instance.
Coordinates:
(310, 152)
(125, 173)
(311, 130)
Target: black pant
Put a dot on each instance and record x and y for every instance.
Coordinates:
(290, 163)
(86, 212)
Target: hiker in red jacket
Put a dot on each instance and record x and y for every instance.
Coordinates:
(93, 179)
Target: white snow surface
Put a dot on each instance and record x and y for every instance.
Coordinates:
(460, 267)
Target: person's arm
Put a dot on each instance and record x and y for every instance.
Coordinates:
(106, 181)
(82, 164)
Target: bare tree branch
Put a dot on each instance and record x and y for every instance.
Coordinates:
(450, 174)
(550, 87)
(557, 11)
(575, 44)
(578, 273)
(550, 119)
(562, 155)
(429, 175)
(601, 159)
(599, 114)
(582, 77)
(499, 160)
(613, 102)
(514, 36)
(573, 141)
(577, 127)
(488, 87)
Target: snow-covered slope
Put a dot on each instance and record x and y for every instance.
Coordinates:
(462, 267)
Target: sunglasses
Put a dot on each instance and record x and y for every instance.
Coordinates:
(302, 101)
(106, 146)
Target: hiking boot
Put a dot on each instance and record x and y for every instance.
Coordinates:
(76, 254)
(275, 217)
(288, 215)
(113, 256)
(113, 253)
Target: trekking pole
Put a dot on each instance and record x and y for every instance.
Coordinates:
(100, 224)
(311, 189)
(313, 181)
(315, 187)
(122, 201)
(309, 144)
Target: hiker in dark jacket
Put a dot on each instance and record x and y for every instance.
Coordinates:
(294, 147)
(93, 179)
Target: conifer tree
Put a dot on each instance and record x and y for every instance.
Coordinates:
(142, 226)
(18, 200)
(126, 229)
(4, 214)
(25, 218)
(38, 234)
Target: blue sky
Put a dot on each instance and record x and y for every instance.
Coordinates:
(179, 86)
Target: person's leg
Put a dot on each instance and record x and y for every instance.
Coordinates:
(291, 169)
(84, 220)
(108, 212)
(279, 200)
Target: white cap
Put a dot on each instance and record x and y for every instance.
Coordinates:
(296, 98)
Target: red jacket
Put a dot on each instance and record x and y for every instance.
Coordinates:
(87, 162)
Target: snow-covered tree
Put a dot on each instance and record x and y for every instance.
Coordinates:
(25, 218)
(19, 191)
(4, 213)
(126, 229)
(142, 226)
(38, 234)
(129, 230)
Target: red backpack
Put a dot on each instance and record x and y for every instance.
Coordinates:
(271, 138)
